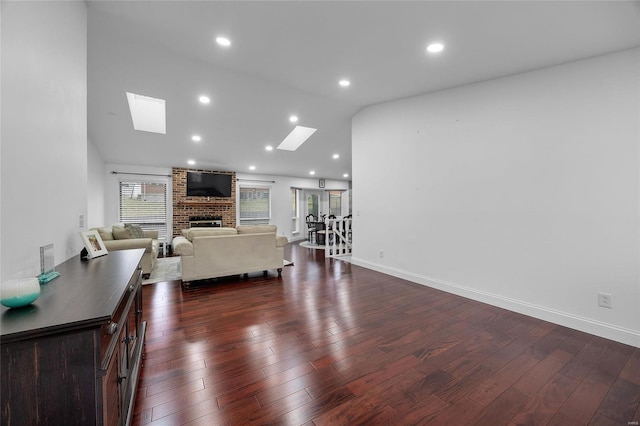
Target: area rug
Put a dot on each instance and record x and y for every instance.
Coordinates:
(307, 244)
(165, 269)
(168, 269)
(343, 257)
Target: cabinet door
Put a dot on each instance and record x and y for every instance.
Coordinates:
(132, 333)
(134, 318)
(111, 392)
(118, 390)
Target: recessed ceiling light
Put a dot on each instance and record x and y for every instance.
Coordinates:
(268, 148)
(147, 113)
(196, 138)
(336, 156)
(252, 167)
(293, 119)
(344, 83)
(435, 48)
(312, 172)
(191, 162)
(204, 99)
(345, 175)
(297, 137)
(223, 41)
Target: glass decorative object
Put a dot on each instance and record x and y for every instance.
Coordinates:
(19, 292)
(47, 266)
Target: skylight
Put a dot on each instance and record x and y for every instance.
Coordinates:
(296, 138)
(147, 114)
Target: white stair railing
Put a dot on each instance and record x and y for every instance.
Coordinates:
(338, 237)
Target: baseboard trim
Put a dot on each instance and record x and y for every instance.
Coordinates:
(587, 325)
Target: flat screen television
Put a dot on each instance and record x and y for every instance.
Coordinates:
(208, 184)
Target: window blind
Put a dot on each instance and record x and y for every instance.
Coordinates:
(144, 204)
(254, 205)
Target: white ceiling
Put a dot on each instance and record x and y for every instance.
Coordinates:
(287, 57)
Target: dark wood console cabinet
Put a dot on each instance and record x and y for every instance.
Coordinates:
(73, 357)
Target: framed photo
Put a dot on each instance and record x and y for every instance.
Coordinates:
(321, 183)
(93, 243)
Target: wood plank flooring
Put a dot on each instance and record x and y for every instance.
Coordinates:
(330, 343)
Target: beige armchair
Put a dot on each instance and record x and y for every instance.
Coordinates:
(116, 238)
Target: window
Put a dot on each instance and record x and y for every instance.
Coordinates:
(335, 203)
(295, 210)
(254, 205)
(312, 205)
(144, 204)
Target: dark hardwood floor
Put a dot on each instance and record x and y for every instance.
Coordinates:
(332, 343)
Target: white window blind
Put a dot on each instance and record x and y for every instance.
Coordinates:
(254, 205)
(144, 204)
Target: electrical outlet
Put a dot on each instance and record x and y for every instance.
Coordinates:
(381, 253)
(81, 221)
(604, 300)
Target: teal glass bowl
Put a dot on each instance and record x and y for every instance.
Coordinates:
(19, 292)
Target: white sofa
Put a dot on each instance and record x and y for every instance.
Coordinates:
(117, 237)
(219, 252)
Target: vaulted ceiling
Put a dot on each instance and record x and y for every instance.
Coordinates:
(286, 58)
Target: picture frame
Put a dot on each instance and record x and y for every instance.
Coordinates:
(321, 183)
(93, 243)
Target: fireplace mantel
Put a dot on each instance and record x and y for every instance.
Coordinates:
(204, 203)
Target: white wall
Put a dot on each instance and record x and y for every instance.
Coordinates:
(44, 132)
(1, 84)
(523, 192)
(95, 186)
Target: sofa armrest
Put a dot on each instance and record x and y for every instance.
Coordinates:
(182, 246)
(153, 234)
(281, 241)
(131, 243)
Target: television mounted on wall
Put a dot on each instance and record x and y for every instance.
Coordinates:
(202, 184)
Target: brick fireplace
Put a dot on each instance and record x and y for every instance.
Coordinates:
(186, 208)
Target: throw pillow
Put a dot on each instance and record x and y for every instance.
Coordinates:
(121, 233)
(136, 231)
(105, 233)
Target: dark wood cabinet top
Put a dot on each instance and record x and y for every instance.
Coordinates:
(86, 294)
